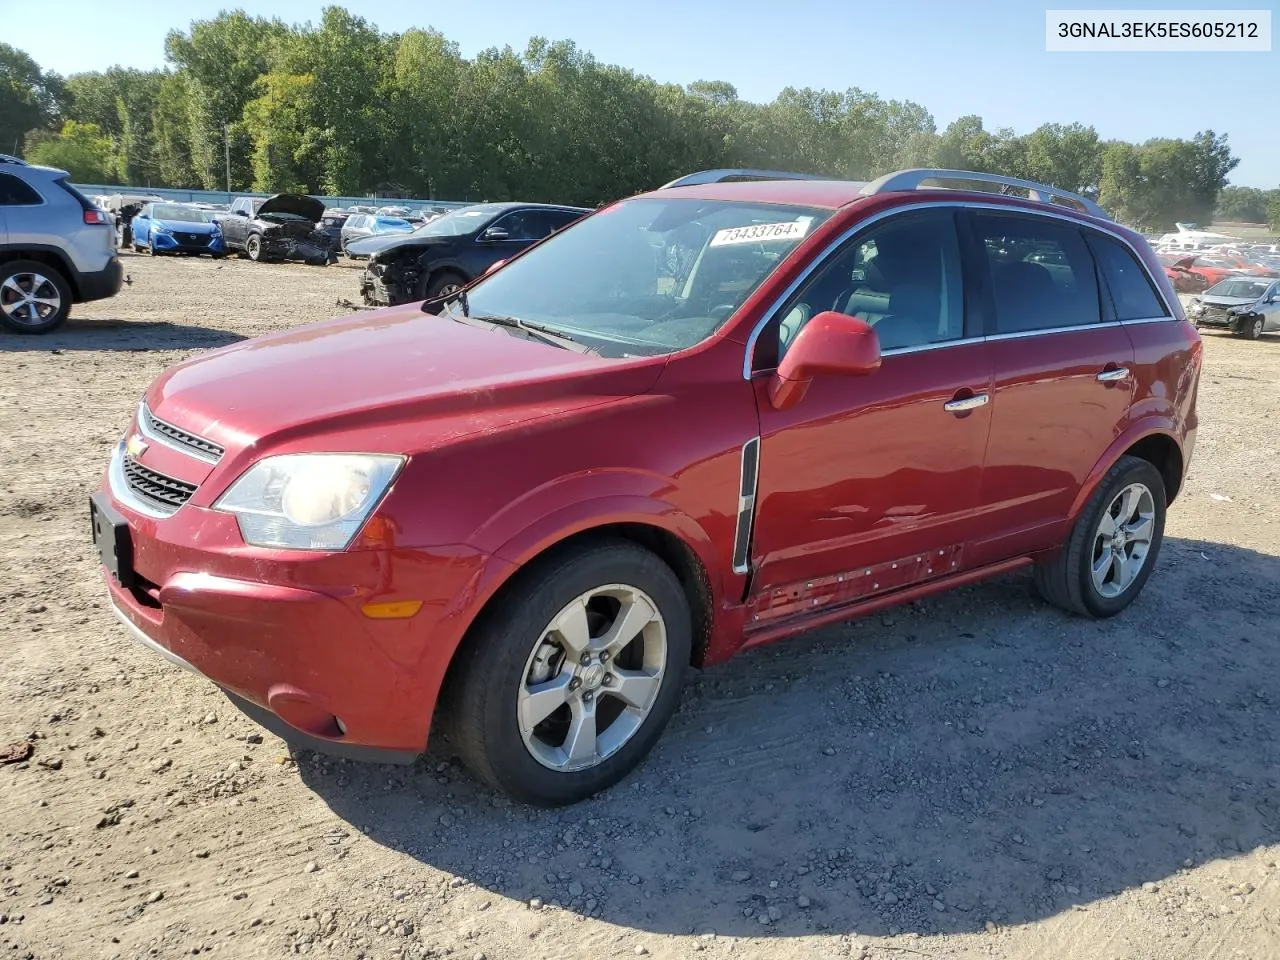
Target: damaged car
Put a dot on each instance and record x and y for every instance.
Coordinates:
(1248, 306)
(444, 255)
(279, 227)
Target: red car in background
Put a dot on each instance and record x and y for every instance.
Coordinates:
(696, 421)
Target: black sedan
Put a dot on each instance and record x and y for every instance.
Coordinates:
(447, 253)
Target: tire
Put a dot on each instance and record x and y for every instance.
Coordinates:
(19, 279)
(253, 247)
(1251, 329)
(439, 284)
(1067, 581)
(485, 690)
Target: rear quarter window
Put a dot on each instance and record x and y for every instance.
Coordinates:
(1130, 289)
(17, 193)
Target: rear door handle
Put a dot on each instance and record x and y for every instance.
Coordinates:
(966, 403)
(1114, 374)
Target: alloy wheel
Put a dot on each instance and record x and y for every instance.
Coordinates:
(1122, 540)
(592, 678)
(29, 298)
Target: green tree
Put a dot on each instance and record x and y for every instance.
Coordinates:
(220, 61)
(78, 148)
(121, 103)
(29, 98)
(1242, 205)
(1273, 210)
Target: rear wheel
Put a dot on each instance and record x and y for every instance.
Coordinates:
(1113, 546)
(34, 297)
(563, 689)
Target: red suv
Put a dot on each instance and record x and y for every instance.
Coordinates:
(699, 420)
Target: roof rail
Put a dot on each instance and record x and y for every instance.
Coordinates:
(913, 179)
(9, 158)
(732, 175)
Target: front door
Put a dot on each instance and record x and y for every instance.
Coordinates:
(871, 483)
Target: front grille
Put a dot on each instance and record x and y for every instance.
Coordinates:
(176, 436)
(155, 488)
(1215, 315)
(191, 237)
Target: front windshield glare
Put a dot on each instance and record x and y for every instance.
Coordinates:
(183, 214)
(647, 276)
(1238, 288)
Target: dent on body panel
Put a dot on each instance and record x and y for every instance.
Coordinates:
(1167, 368)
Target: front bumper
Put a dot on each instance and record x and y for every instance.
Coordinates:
(192, 243)
(284, 633)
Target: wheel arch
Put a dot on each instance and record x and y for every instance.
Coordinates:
(1154, 442)
(50, 257)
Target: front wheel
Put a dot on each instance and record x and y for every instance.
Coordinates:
(443, 284)
(253, 247)
(1251, 329)
(565, 687)
(1113, 546)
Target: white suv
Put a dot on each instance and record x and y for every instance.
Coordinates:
(56, 248)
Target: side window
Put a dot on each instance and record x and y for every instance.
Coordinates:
(1042, 274)
(903, 277)
(524, 225)
(1131, 292)
(562, 218)
(15, 193)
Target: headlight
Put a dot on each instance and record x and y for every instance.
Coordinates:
(308, 501)
(1196, 308)
(160, 228)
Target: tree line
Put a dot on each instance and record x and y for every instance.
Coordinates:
(340, 107)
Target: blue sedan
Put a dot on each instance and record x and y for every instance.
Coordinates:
(175, 228)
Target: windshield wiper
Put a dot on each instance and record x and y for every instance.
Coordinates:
(535, 330)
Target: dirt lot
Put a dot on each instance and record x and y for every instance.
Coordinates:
(976, 775)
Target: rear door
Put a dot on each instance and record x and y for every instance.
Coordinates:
(1064, 381)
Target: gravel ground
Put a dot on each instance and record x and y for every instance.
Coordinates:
(974, 775)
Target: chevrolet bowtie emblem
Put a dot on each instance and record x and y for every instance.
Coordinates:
(135, 447)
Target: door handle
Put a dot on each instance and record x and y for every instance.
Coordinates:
(1114, 374)
(966, 403)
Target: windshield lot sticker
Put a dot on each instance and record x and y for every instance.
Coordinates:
(762, 232)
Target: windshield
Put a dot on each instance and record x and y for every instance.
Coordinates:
(457, 223)
(1251, 289)
(647, 276)
(184, 214)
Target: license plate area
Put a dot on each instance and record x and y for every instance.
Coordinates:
(112, 538)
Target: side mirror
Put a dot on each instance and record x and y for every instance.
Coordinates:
(494, 234)
(241, 213)
(830, 343)
(494, 266)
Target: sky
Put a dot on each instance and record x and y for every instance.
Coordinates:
(955, 59)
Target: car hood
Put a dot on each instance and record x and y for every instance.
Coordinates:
(367, 246)
(393, 380)
(1227, 301)
(295, 203)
